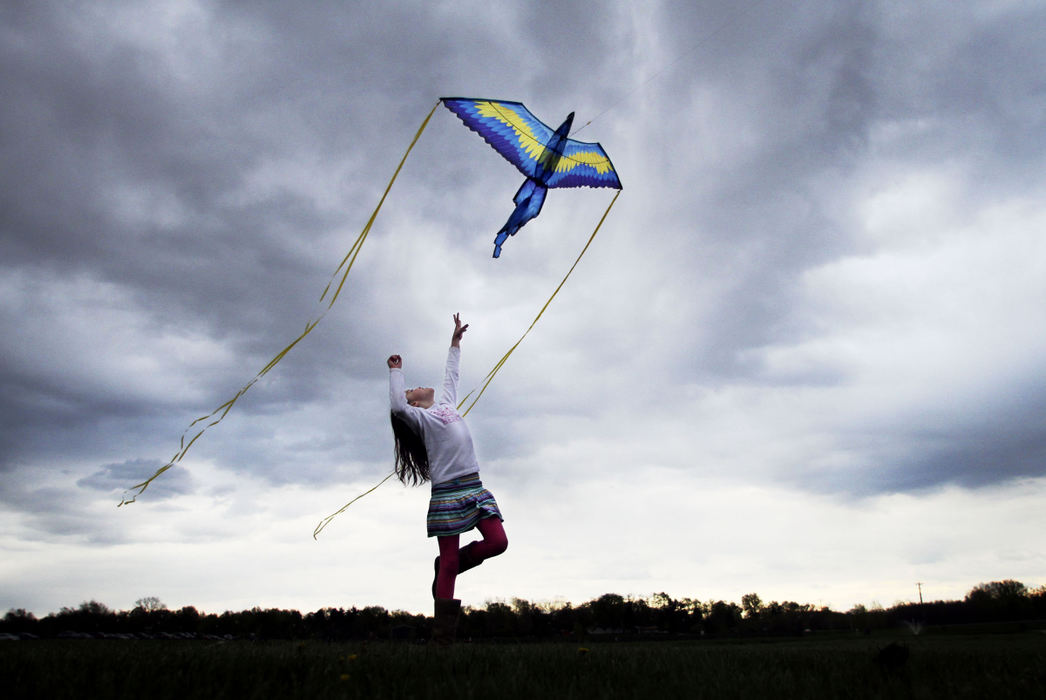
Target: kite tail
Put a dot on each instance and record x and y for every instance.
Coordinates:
(490, 375)
(344, 267)
(326, 521)
(355, 250)
(529, 199)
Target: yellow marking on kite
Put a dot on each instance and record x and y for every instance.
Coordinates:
(593, 159)
(510, 117)
(534, 148)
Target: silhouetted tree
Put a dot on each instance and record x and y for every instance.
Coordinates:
(20, 621)
(1007, 590)
(722, 617)
(608, 611)
(501, 622)
(150, 603)
(19, 615)
(669, 614)
(187, 620)
(90, 617)
(1006, 600)
(752, 605)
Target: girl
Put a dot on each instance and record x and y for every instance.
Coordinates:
(433, 444)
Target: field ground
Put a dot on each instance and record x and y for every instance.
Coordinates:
(930, 666)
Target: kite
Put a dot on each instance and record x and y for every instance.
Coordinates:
(547, 158)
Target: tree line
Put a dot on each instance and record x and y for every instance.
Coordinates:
(611, 616)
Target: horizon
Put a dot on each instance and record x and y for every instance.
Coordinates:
(150, 603)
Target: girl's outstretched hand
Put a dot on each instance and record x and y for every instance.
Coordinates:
(459, 330)
(395, 362)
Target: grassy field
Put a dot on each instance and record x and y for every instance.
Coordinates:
(990, 666)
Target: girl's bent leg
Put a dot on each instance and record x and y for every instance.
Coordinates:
(494, 540)
(453, 561)
(448, 566)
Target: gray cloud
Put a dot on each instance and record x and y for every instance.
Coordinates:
(117, 477)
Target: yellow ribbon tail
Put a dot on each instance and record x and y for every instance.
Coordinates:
(326, 521)
(224, 409)
(143, 485)
(350, 257)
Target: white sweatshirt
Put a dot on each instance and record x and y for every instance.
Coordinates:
(447, 438)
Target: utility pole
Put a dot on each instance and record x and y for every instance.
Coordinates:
(920, 585)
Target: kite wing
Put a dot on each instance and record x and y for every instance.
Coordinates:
(584, 165)
(521, 138)
(509, 127)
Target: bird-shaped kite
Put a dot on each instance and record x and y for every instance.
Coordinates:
(548, 158)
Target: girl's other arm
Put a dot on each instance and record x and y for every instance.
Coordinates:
(397, 398)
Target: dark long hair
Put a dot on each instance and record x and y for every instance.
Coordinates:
(412, 461)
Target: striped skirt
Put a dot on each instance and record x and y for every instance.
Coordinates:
(457, 505)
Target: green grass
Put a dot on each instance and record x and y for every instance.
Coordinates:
(996, 666)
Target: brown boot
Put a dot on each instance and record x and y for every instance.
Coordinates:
(445, 620)
(465, 562)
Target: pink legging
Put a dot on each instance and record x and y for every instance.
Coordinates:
(494, 542)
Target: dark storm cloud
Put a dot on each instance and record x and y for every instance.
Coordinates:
(96, 120)
(120, 167)
(809, 92)
(828, 76)
(797, 104)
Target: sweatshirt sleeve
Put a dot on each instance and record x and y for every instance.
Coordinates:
(397, 400)
(450, 377)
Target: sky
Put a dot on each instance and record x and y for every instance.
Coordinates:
(804, 357)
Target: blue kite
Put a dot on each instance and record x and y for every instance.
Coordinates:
(545, 156)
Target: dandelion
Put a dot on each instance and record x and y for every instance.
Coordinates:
(343, 677)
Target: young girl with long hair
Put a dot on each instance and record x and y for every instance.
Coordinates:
(434, 444)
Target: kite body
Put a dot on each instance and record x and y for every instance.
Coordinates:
(547, 158)
(528, 199)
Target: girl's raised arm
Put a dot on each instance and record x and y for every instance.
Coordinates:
(459, 330)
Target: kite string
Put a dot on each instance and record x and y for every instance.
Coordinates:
(346, 263)
(490, 375)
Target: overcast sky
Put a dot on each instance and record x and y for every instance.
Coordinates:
(804, 357)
